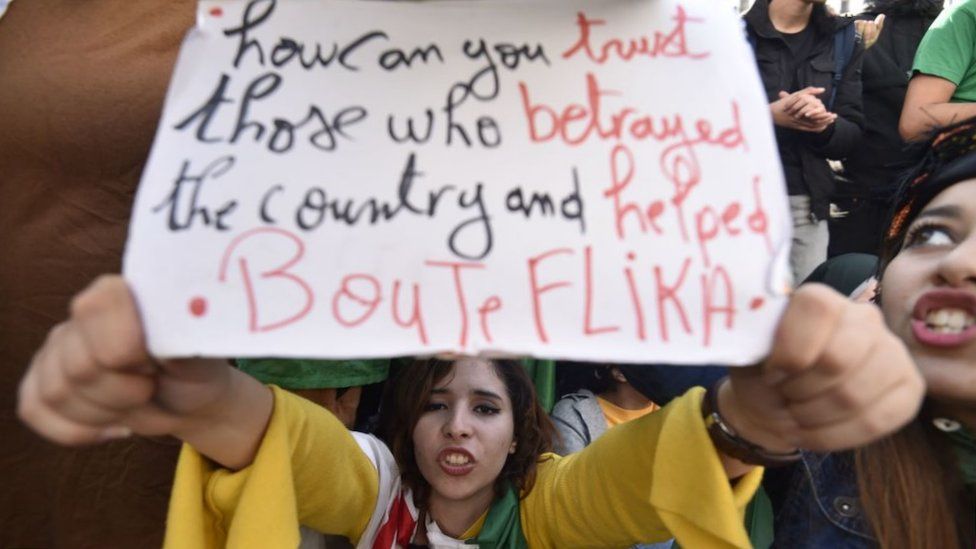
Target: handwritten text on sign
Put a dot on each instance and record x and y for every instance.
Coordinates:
(594, 180)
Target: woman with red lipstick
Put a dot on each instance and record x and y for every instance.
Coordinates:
(466, 455)
(916, 488)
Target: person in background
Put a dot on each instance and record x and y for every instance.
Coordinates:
(347, 388)
(894, 28)
(605, 399)
(851, 274)
(810, 64)
(943, 85)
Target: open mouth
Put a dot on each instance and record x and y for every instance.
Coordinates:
(945, 318)
(456, 461)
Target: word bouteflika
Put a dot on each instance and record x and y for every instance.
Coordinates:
(565, 180)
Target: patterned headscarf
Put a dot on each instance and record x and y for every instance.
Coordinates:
(948, 157)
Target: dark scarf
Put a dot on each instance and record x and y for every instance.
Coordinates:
(964, 445)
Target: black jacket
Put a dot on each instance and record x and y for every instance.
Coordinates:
(810, 151)
(875, 165)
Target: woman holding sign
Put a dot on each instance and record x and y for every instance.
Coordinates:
(467, 456)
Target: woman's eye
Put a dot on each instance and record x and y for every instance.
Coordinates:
(929, 236)
(434, 406)
(487, 410)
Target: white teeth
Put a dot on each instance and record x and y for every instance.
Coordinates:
(949, 320)
(456, 459)
(960, 319)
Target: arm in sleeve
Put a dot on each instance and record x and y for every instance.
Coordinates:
(646, 480)
(844, 135)
(946, 50)
(941, 62)
(308, 470)
(570, 430)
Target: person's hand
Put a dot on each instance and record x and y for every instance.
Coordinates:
(802, 110)
(870, 30)
(93, 380)
(835, 379)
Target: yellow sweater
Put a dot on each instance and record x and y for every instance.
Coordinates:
(618, 491)
(615, 415)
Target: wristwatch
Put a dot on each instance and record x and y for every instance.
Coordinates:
(727, 441)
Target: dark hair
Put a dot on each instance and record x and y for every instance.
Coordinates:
(910, 486)
(407, 394)
(573, 376)
(929, 8)
(823, 21)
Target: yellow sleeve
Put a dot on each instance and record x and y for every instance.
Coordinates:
(648, 480)
(309, 470)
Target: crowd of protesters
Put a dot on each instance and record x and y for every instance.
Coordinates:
(856, 430)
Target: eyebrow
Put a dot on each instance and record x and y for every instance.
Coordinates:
(488, 394)
(948, 210)
(480, 392)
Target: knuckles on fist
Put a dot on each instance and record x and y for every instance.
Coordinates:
(836, 378)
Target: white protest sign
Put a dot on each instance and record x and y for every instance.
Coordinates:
(589, 180)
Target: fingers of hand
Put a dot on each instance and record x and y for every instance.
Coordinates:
(846, 349)
(870, 30)
(804, 331)
(764, 409)
(887, 414)
(69, 397)
(57, 428)
(803, 100)
(790, 103)
(811, 90)
(812, 126)
(32, 410)
(807, 103)
(813, 107)
(840, 398)
(824, 117)
(866, 28)
(814, 114)
(862, 386)
(107, 319)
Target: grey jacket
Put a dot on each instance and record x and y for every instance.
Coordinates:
(579, 421)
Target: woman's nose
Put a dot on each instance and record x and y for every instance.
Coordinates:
(958, 267)
(458, 425)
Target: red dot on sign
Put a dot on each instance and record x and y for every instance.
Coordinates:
(198, 306)
(216, 12)
(631, 256)
(756, 303)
